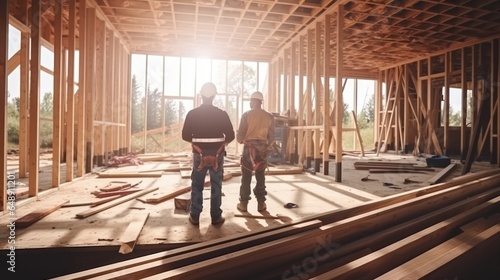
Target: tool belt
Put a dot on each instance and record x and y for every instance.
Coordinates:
(257, 158)
(209, 160)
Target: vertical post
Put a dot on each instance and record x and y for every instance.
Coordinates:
(338, 89)
(300, 116)
(326, 97)
(317, 94)
(446, 115)
(23, 110)
(109, 97)
(406, 107)
(70, 95)
(57, 111)
(309, 120)
(34, 98)
(100, 93)
(90, 80)
(463, 121)
(82, 109)
(4, 37)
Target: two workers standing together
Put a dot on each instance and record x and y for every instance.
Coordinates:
(209, 130)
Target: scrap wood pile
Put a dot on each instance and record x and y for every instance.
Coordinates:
(390, 167)
(125, 160)
(436, 232)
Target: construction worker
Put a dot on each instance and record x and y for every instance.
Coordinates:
(209, 130)
(256, 132)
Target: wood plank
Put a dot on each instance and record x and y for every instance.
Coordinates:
(118, 201)
(435, 261)
(401, 251)
(128, 267)
(374, 171)
(115, 193)
(170, 195)
(35, 216)
(191, 254)
(130, 175)
(131, 234)
(442, 174)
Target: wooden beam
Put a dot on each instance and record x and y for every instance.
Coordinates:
(339, 92)
(318, 94)
(374, 264)
(131, 234)
(4, 39)
(463, 121)
(82, 89)
(109, 78)
(170, 195)
(326, 97)
(155, 263)
(35, 216)
(57, 104)
(34, 109)
(113, 203)
(90, 80)
(100, 94)
(433, 263)
(23, 103)
(308, 103)
(70, 95)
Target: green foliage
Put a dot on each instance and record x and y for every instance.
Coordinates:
(13, 123)
(137, 124)
(367, 115)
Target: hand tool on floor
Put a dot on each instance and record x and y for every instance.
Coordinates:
(364, 179)
(409, 181)
(277, 217)
(310, 170)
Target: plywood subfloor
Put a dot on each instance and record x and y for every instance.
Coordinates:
(313, 194)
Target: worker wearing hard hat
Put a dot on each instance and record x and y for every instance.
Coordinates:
(256, 132)
(209, 130)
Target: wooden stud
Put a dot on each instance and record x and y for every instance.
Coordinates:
(57, 107)
(498, 98)
(308, 104)
(300, 115)
(23, 110)
(326, 96)
(100, 93)
(318, 95)
(464, 109)
(446, 113)
(82, 90)
(34, 124)
(4, 38)
(70, 95)
(108, 115)
(90, 87)
(338, 90)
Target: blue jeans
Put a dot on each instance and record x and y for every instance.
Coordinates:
(197, 182)
(246, 178)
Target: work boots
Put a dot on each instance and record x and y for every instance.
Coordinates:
(242, 206)
(261, 206)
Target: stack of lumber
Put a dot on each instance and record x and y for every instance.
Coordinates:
(435, 232)
(390, 167)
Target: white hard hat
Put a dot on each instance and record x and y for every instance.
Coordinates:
(257, 95)
(208, 90)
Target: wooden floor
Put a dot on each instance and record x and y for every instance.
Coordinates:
(312, 193)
